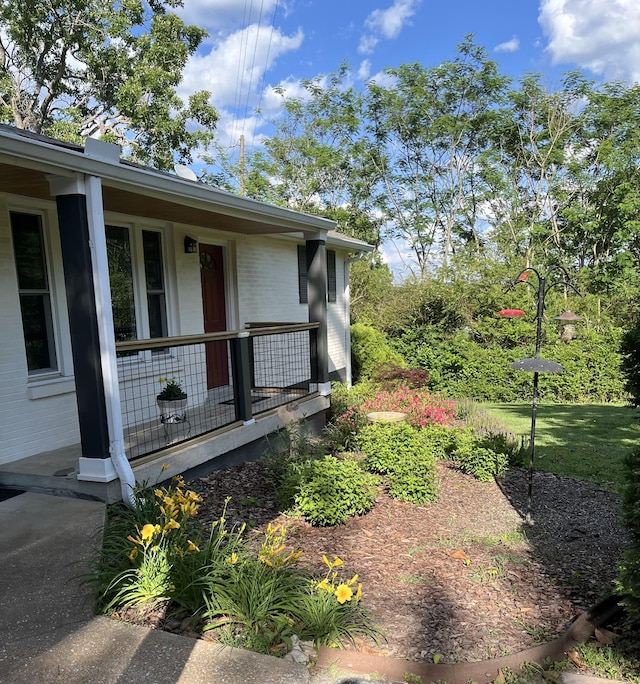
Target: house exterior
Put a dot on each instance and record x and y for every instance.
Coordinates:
(115, 278)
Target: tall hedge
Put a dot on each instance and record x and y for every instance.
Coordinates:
(462, 365)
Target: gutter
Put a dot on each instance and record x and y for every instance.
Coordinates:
(106, 335)
(347, 312)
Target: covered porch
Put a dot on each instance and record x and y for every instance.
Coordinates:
(267, 374)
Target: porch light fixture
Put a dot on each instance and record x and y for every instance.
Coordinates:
(190, 245)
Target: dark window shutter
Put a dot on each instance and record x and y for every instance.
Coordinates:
(331, 276)
(302, 274)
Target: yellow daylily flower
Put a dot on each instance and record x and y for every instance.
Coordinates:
(133, 553)
(147, 532)
(358, 595)
(353, 580)
(343, 593)
(171, 525)
(324, 585)
(232, 559)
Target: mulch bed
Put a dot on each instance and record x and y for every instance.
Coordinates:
(462, 579)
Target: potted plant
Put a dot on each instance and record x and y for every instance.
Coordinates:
(172, 401)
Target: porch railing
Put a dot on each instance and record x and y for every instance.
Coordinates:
(228, 377)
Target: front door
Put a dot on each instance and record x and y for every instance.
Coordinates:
(215, 316)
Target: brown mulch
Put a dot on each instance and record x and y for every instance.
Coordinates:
(462, 579)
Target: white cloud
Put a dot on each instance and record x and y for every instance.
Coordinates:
(220, 15)
(233, 69)
(386, 23)
(364, 71)
(600, 35)
(508, 46)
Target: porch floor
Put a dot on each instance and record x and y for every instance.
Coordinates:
(55, 471)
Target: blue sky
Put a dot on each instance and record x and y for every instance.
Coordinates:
(254, 45)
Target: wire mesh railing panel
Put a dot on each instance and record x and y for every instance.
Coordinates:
(153, 419)
(281, 369)
(215, 380)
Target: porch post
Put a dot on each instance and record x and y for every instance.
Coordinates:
(317, 298)
(83, 321)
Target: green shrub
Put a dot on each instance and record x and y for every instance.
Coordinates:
(483, 463)
(331, 490)
(344, 398)
(370, 351)
(342, 432)
(405, 456)
(442, 440)
(628, 583)
(413, 479)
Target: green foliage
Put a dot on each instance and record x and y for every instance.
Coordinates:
(370, 351)
(405, 456)
(331, 490)
(482, 462)
(630, 349)
(462, 367)
(413, 479)
(331, 611)
(342, 432)
(628, 583)
(157, 553)
(105, 69)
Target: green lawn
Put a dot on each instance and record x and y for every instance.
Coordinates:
(586, 441)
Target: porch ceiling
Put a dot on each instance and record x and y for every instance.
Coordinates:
(31, 182)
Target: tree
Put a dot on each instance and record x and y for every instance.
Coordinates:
(426, 133)
(527, 167)
(314, 160)
(73, 69)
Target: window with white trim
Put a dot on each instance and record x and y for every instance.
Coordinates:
(35, 291)
(132, 275)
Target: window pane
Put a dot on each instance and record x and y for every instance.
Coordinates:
(33, 286)
(36, 322)
(152, 260)
(121, 277)
(154, 279)
(157, 315)
(29, 251)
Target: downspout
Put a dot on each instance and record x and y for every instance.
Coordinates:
(106, 334)
(347, 313)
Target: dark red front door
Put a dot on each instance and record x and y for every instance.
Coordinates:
(215, 316)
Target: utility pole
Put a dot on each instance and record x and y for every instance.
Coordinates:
(242, 165)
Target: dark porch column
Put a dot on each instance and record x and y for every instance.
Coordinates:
(81, 302)
(317, 298)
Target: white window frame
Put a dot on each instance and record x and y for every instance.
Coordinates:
(47, 379)
(140, 306)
